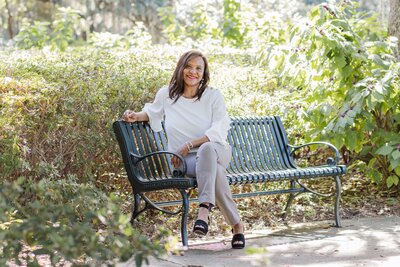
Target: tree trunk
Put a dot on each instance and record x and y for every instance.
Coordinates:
(9, 21)
(394, 22)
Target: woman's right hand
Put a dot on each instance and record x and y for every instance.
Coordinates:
(130, 116)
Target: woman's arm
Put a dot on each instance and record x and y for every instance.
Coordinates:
(220, 119)
(198, 142)
(186, 147)
(131, 116)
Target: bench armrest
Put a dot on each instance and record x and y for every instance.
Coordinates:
(136, 159)
(330, 161)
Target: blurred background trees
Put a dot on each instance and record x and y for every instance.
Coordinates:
(394, 22)
(160, 17)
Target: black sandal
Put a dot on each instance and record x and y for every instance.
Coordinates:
(200, 226)
(238, 241)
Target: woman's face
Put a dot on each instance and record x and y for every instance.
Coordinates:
(193, 72)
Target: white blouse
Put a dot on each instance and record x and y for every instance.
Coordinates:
(188, 119)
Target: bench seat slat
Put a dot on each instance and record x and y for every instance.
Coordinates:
(290, 174)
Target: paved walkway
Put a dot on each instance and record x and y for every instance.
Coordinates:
(360, 242)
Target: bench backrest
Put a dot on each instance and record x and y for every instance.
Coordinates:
(258, 144)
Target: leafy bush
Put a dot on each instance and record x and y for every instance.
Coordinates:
(347, 82)
(204, 21)
(135, 37)
(57, 108)
(57, 34)
(69, 222)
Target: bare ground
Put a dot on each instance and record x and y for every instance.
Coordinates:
(359, 198)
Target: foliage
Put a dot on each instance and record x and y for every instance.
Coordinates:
(232, 28)
(196, 21)
(118, 16)
(57, 109)
(63, 28)
(347, 84)
(135, 37)
(58, 34)
(69, 222)
(204, 21)
(34, 35)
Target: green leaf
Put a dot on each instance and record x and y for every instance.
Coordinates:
(397, 170)
(374, 175)
(378, 60)
(379, 88)
(351, 140)
(394, 163)
(371, 163)
(396, 154)
(384, 150)
(392, 180)
(341, 61)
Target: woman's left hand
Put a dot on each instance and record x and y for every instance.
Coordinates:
(183, 151)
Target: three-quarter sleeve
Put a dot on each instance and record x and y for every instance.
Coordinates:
(220, 125)
(155, 110)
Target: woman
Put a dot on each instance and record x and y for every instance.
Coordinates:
(197, 125)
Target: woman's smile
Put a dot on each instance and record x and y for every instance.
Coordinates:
(193, 72)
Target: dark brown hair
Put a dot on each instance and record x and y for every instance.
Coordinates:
(176, 85)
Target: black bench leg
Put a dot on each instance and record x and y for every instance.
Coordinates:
(136, 207)
(337, 202)
(289, 202)
(185, 209)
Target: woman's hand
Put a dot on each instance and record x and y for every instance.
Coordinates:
(130, 116)
(183, 151)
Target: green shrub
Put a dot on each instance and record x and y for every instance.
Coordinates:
(67, 221)
(57, 108)
(58, 34)
(341, 63)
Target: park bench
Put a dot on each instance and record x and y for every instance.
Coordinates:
(261, 154)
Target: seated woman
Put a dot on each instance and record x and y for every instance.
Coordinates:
(197, 124)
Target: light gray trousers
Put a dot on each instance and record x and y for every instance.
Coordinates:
(209, 165)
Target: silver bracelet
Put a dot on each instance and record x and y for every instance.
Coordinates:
(189, 145)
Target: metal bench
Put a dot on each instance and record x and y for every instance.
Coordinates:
(260, 154)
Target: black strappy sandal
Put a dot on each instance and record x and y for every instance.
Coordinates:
(238, 241)
(200, 226)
